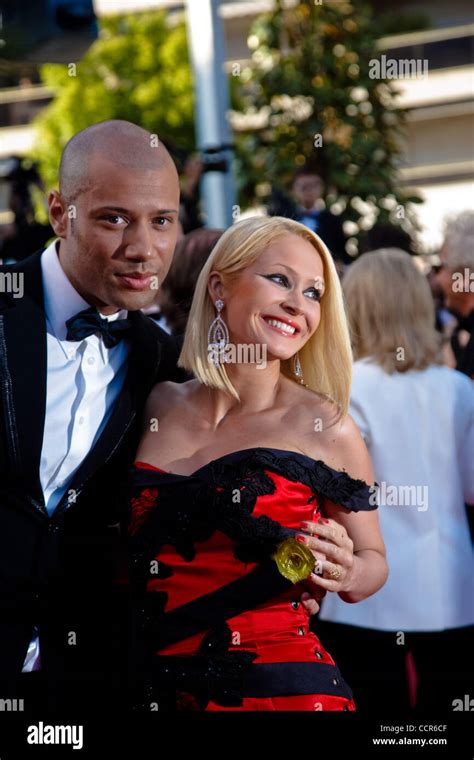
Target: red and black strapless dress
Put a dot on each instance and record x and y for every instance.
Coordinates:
(219, 627)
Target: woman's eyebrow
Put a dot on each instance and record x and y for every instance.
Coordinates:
(310, 279)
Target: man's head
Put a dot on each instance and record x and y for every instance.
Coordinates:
(116, 214)
(456, 277)
(307, 188)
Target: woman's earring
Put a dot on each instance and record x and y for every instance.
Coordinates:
(218, 335)
(297, 368)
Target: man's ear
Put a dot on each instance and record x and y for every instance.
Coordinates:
(58, 214)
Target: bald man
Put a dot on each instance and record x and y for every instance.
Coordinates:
(77, 361)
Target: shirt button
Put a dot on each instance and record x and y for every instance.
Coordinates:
(300, 631)
(81, 420)
(318, 654)
(295, 605)
(91, 360)
(335, 681)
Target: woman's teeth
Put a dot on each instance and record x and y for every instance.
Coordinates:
(281, 325)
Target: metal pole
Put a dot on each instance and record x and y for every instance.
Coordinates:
(212, 103)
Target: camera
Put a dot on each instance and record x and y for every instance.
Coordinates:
(214, 159)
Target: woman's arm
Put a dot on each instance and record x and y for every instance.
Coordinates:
(351, 542)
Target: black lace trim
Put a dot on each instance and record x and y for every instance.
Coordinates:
(212, 674)
(336, 485)
(192, 510)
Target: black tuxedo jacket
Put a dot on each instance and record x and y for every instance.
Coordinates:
(63, 573)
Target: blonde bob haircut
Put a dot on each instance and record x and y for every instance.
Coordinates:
(326, 358)
(391, 311)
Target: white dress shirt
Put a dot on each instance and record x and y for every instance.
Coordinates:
(84, 379)
(419, 429)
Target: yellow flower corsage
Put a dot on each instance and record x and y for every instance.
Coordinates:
(294, 560)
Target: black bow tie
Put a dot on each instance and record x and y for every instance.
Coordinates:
(89, 321)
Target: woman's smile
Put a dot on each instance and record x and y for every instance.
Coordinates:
(284, 326)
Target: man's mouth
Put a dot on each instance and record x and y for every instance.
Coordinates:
(136, 280)
(284, 327)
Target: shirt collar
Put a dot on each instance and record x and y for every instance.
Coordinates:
(313, 213)
(61, 299)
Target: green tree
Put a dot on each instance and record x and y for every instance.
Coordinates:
(307, 99)
(138, 70)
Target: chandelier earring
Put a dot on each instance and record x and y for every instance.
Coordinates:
(218, 335)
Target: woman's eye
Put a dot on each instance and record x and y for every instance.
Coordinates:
(315, 294)
(278, 277)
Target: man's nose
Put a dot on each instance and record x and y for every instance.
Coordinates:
(138, 242)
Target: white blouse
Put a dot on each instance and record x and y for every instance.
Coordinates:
(419, 429)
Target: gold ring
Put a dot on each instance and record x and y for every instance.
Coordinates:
(335, 573)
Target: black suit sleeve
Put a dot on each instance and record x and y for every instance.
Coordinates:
(332, 232)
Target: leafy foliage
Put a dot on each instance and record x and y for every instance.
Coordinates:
(307, 99)
(137, 70)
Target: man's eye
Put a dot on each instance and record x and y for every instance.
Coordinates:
(113, 218)
(162, 220)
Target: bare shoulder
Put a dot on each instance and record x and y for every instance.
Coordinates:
(309, 411)
(347, 450)
(351, 451)
(167, 395)
(337, 441)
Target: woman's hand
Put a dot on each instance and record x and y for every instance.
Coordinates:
(354, 563)
(334, 551)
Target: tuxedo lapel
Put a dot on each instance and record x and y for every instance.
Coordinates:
(146, 352)
(23, 370)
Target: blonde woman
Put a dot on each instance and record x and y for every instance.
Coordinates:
(417, 418)
(235, 465)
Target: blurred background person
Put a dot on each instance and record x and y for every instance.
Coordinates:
(386, 235)
(189, 210)
(306, 205)
(417, 418)
(456, 279)
(24, 235)
(177, 290)
(445, 322)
